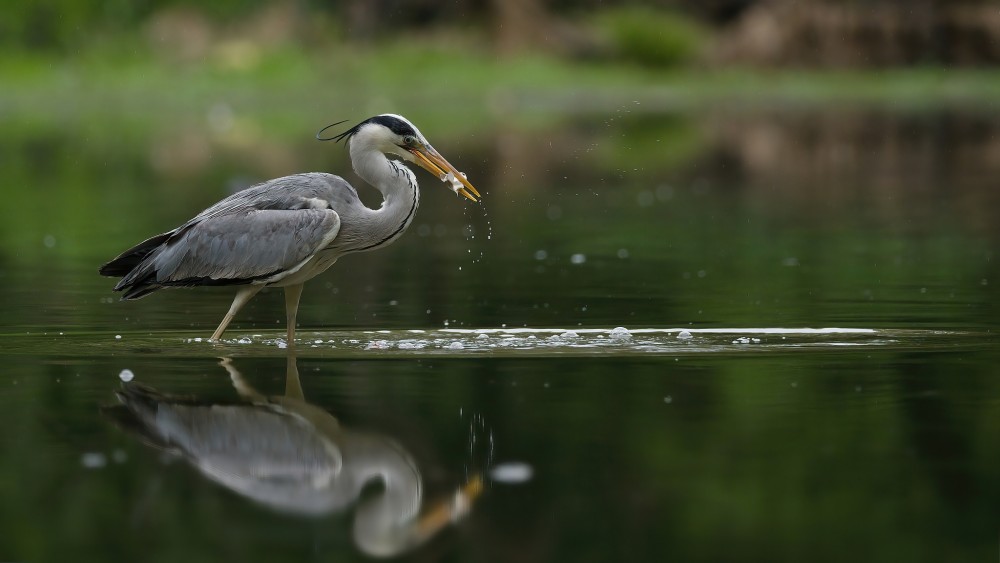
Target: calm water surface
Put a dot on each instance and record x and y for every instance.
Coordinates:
(806, 368)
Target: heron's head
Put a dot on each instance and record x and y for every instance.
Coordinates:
(394, 134)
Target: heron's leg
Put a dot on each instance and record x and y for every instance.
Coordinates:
(241, 385)
(292, 294)
(243, 295)
(293, 387)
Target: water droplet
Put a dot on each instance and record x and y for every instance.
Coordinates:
(93, 460)
(126, 375)
(511, 472)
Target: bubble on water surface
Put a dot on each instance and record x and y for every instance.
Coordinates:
(578, 258)
(126, 375)
(684, 335)
(620, 333)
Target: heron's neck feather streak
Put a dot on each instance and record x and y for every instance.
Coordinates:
(400, 194)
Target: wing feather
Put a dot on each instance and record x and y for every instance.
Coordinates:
(265, 230)
(234, 249)
(246, 246)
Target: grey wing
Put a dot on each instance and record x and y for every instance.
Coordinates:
(265, 452)
(245, 247)
(268, 455)
(288, 192)
(263, 231)
(237, 248)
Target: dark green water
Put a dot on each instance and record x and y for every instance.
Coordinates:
(479, 348)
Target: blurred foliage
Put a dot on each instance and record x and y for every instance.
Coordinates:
(653, 38)
(67, 27)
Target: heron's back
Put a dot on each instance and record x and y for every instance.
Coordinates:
(251, 236)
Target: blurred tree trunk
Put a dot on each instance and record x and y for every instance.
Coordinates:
(519, 24)
(876, 33)
(525, 25)
(362, 19)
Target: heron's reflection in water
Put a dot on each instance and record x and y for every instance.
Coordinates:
(297, 458)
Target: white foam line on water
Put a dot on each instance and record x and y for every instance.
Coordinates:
(762, 330)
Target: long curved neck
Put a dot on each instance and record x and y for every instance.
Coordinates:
(400, 194)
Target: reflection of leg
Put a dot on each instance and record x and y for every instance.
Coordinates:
(243, 295)
(292, 294)
(242, 387)
(293, 387)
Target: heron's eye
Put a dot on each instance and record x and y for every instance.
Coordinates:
(409, 140)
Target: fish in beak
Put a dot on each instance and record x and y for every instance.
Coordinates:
(430, 160)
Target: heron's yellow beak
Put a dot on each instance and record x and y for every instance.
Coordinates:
(449, 511)
(430, 160)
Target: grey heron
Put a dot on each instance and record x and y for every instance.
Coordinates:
(286, 231)
(295, 457)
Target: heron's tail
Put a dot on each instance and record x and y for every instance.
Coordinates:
(128, 260)
(138, 406)
(137, 411)
(129, 266)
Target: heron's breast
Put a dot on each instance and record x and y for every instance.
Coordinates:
(319, 263)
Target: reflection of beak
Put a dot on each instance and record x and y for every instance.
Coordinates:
(451, 510)
(431, 161)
